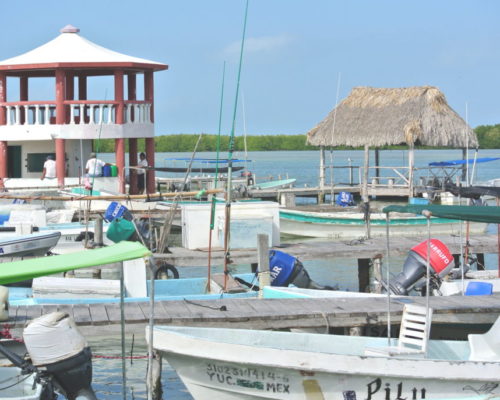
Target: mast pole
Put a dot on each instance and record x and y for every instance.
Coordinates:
(230, 158)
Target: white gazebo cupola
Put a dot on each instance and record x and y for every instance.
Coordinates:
(66, 124)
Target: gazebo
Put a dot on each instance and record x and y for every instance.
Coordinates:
(375, 117)
(66, 124)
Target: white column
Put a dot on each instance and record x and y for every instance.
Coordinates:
(18, 115)
(9, 115)
(91, 116)
(72, 114)
(37, 114)
(82, 114)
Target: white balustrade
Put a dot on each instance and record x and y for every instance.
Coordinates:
(79, 113)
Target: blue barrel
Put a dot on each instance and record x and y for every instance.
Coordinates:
(106, 170)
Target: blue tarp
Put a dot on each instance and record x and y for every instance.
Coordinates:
(461, 162)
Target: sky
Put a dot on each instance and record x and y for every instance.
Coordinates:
(300, 56)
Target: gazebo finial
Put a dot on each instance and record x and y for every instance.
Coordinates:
(69, 29)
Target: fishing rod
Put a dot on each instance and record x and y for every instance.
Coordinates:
(230, 157)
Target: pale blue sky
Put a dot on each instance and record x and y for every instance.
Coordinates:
(295, 50)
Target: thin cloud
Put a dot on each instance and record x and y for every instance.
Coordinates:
(264, 44)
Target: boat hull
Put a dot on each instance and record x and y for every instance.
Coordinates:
(29, 245)
(351, 226)
(212, 368)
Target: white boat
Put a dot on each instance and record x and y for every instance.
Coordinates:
(35, 244)
(245, 364)
(350, 225)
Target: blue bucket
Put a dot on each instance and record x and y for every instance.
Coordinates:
(116, 210)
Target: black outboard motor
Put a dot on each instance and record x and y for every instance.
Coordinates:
(415, 266)
(60, 354)
(286, 269)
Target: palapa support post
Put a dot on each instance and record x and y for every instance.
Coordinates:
(321, 167)
(263, 257)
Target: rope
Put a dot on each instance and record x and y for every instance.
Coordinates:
(221, 308)
(102, 356)
(14, 384)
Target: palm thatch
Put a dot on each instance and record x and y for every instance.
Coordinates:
(380, 116)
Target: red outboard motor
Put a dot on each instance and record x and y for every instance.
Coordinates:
(415, 266)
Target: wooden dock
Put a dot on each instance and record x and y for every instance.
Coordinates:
(313, 250)
(325, 313)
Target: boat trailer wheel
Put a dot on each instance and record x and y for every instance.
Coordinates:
(166, 271)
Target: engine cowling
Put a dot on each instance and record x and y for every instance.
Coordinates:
(286, 270)
(57, 348)
(415, 266)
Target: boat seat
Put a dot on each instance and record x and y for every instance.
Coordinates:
(486, 346)
(413, 334)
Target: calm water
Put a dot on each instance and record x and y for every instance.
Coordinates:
(302, 165)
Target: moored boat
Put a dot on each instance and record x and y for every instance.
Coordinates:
(35, 244)
(349, 225)
(248, 364)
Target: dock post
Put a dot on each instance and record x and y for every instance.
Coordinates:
(155, 391)
(377, 273)
(480, 262)
(287, 200)
(98, 242)
(263, 257)
(363, 274)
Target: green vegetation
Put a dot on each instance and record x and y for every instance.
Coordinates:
(488, 135)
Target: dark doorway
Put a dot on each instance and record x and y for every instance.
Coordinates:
(14, 163)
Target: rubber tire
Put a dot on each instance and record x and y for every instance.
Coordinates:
(166, 270)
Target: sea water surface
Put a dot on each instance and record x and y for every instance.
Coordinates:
(343, 273)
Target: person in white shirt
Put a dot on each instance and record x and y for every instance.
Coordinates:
(141, 173)
(94, 166)
(49, 168)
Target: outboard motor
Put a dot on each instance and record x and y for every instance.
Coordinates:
(286, 269)
(415, 266)
(60, 354)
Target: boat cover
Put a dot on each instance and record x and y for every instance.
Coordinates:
(18, 271)
(487, 214)
(462, 162)
(473, 192)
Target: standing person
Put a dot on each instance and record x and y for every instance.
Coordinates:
(94, 166)
(141, 173)
(49, 168)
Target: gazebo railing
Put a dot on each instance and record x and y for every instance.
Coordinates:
(81, 112)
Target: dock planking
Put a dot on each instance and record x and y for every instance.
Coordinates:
(271, 313)
(331, 249)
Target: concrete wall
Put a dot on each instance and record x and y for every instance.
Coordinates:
(73, 154)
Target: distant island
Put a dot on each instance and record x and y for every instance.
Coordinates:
(488, 136)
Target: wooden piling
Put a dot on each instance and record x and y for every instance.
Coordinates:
(155, 391)
(263, 257)
(98, 242)
(363, 274)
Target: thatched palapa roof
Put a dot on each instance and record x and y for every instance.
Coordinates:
(381, 116)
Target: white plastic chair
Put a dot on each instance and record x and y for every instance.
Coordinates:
(413, 334)
(486, 346)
